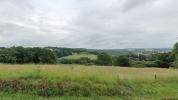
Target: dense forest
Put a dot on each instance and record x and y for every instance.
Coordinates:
(54, 55)
(21, 55)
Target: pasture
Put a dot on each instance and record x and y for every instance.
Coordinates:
(76, 56)
(68, 82)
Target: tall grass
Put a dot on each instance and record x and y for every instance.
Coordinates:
(88, 81)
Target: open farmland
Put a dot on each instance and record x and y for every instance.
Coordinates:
(76, 56)
(68, 82)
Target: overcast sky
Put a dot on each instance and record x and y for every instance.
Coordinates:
(89, 23)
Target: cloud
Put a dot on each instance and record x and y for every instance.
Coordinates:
(89, 24)
(131, 4)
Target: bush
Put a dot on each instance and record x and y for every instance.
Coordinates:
(65, 61)
(144, 64)
(165, 60)
(83, 60)
(122, 61)
(104, 59)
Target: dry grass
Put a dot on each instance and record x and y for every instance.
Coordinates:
(146, 87)
(81, 71)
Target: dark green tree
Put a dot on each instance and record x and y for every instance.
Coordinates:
(7, 56)
(47, 56)
(104, 59)
(175, 52)
(20, 54)
(122, 61)
(23, 55)
(165, 60)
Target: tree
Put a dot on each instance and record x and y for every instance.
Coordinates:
(44, 55)
(122, 61)
(28, 55)
(47, 56)
(104, 59)
(20, 54)
(165, 60)
(36, 55)
(175, 52)
(7, 56)
(23, 55)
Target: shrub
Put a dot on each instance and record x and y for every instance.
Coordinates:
(165, 60)
(144, 63)
(122, 61)
(83, 60)
(104, 59)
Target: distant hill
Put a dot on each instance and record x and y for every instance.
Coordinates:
(62, 52)
(132, 51)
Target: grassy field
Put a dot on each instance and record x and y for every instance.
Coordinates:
(79, 82)
(78, 56)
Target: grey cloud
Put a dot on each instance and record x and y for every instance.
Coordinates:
(131, 4)
(89, 24)
(14, 9)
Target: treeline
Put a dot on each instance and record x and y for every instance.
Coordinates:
(21, 55)
(52, 55)
(162, 60)
(82, 60)
(62, 52)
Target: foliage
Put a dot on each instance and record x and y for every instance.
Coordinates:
(52, 55)
(104, 59)
(7, 56)
(175, 52)
(62, 52)
(165, 60)
(82, 60)
(22, 55)
(143, 63)
(122, 61)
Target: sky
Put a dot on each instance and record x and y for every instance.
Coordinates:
(95, 24)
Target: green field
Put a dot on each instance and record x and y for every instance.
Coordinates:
(79, 82)
(76, 56)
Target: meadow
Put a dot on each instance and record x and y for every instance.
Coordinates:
(80, 82)
(76, 56)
